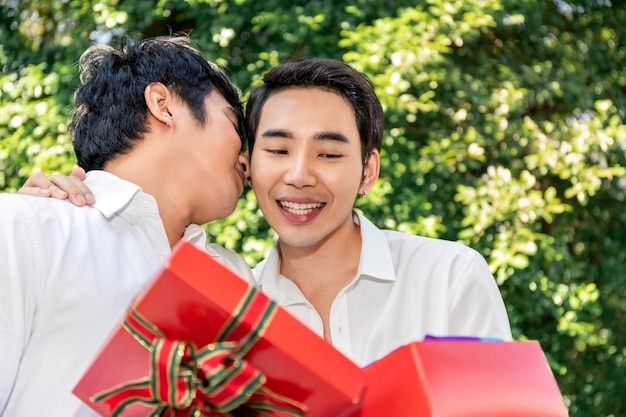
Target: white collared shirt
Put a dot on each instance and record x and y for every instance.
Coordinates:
(67, 276)
(406, 287)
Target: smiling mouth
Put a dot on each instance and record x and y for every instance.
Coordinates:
(300, 208)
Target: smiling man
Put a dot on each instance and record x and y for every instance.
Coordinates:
(315, 129)
(307, 172)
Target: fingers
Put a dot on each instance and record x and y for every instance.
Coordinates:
(77, 192)
(79, 173)
(34, 191)
(40, 186)
(78, 176)
(59, 186)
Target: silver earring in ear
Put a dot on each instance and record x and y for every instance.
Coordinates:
(364, 194)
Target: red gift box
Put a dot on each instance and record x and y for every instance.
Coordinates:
(195, 299)
(449, 378)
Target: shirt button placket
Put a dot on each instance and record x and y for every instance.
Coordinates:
(339, 322)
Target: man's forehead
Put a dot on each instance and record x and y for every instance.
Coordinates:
(299, 90)
(285, 98)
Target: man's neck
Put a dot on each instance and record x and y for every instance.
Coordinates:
(173, 222)
(321, 272)
(331, 263)
(172, 214)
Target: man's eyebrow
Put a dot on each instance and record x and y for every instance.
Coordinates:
(276, 133)
(332, 136)
(321, 136)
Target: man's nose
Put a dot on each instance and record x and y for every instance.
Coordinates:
(300, 172)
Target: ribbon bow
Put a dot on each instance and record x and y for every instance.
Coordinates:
(213, 380)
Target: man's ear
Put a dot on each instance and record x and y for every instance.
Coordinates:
(158, 99)
(371, 170)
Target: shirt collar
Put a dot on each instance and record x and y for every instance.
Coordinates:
(376, 261)
(112, 193)
(197, 235)
(268, 278)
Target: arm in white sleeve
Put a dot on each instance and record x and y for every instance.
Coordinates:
(477, 308)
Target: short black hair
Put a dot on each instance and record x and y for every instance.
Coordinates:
(111, 113)
(328, 74)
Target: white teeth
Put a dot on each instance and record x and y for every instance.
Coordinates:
(300, 208)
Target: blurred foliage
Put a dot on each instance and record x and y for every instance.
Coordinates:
(505, 130)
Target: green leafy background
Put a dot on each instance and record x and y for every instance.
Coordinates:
(504, 130)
